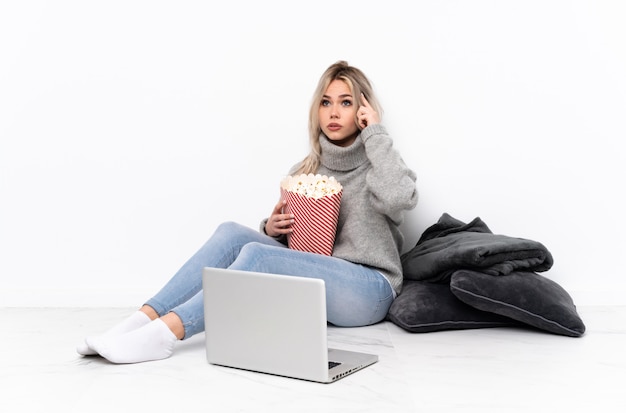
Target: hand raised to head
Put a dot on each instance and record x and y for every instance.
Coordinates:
(366, 115)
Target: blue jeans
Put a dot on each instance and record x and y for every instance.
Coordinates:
(356, 295)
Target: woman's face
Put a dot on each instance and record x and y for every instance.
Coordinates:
(337, 114)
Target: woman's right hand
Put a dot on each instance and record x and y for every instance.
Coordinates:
(279, 223)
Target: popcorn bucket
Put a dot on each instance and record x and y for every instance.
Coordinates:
(316, 216)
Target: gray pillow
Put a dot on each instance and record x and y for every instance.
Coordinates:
(450, 245)
(424, 307)
(527, 297)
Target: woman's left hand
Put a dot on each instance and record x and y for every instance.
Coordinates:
(366, 115)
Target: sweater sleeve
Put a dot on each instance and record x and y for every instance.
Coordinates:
(390, 182)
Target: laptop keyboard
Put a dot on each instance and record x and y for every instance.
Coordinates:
(332, 364)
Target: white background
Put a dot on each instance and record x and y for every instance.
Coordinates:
(130, 129)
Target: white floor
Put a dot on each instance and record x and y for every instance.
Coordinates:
(487, 370)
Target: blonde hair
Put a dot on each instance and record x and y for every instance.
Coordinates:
(358, 83)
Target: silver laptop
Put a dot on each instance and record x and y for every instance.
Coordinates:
(273, 324)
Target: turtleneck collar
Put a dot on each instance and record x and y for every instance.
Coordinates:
(339, 158)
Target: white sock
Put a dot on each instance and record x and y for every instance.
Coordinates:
(154, 341)
(133, 322)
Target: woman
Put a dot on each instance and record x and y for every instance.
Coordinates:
(364, 273)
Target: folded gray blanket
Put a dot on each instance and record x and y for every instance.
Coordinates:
(450, 245)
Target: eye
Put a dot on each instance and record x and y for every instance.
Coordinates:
(346, 102)
(325, 102)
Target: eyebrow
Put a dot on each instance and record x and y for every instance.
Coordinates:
(346, 95)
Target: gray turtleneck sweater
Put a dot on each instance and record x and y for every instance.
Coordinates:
(377, 188)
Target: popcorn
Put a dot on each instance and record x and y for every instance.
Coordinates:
(314, 200)
(313, 186)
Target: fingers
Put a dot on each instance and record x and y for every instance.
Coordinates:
(364, 101)
(366, 115)
(278, 209)
(362, 121)
(279, 223)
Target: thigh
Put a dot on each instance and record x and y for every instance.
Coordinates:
(356, 295)
(219, 251)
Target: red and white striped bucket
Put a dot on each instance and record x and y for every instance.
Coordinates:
(315, 223)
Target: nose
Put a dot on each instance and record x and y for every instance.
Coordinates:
(334, 112)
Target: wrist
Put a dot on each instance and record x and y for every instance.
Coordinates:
(372, 130)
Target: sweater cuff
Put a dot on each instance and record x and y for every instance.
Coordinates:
(262, 226)
(369, 131)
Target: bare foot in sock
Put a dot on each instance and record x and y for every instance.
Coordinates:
(133, 322)
(153, 341)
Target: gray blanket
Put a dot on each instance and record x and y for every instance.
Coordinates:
(450, 245)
